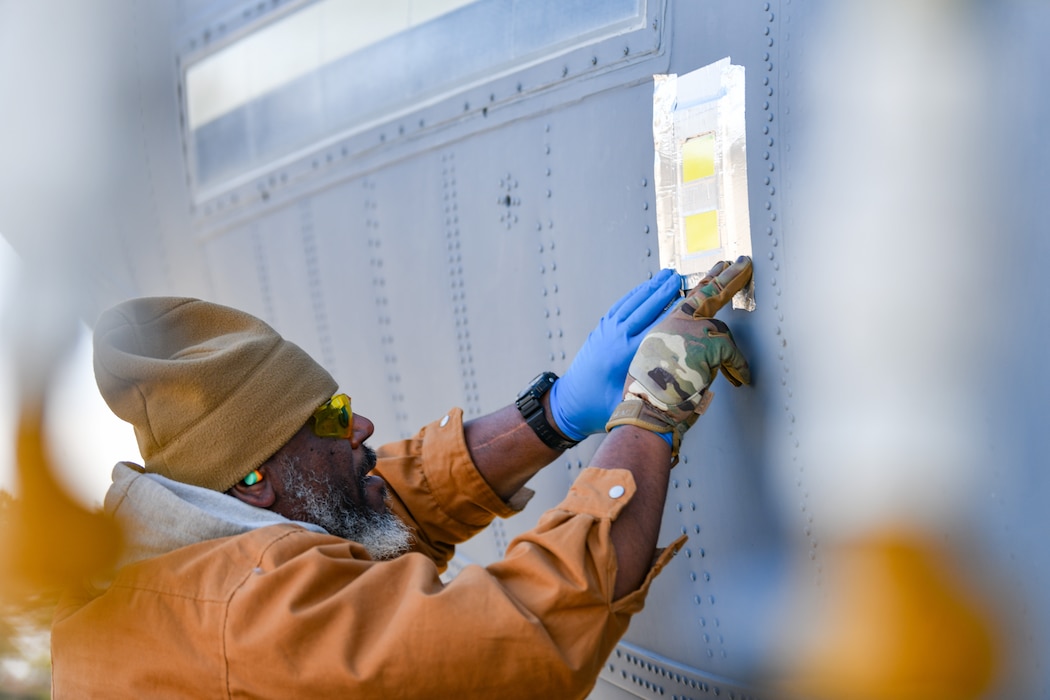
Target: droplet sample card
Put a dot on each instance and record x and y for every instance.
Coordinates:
(699, 132)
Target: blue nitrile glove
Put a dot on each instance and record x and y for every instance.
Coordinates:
(591, 389)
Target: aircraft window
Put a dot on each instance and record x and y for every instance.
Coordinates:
(338, 64)
(295, 46)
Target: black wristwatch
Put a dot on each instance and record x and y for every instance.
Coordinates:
(530, 403)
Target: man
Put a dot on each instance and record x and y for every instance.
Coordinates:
(271, 553)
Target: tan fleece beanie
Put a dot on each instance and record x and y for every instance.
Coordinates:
(211, 391)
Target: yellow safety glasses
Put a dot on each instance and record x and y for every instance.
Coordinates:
(334, 419)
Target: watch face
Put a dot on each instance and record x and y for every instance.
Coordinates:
(544, 381)
(532, 410)
(539, 385)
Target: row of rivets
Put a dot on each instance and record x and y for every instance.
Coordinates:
(457, 294)
(386, 338)
(499, 535)
(230, 23)
(313, 276)
(634, 666)
(231, 199)
(270, 185)
(508, 200)
(698, 575)
(402, 130)
(773, 235)
(266, 187)
(549, 265)
(646, 665)
(593, 61)
(577, 465)
(647, 227)
(259, 251)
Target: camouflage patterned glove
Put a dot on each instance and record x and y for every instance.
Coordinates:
(666, 387)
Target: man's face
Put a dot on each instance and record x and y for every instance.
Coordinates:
(327, 482)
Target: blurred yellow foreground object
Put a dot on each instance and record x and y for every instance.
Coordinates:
(49, 541)
(897, 625)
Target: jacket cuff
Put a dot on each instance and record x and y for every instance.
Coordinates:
(602, 494)
(457, 486)
(634, 601)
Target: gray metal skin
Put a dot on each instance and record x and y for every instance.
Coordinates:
(445, 255)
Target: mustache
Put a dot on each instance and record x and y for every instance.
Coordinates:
(370, 459)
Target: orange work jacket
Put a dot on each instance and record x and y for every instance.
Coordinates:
(283, 612)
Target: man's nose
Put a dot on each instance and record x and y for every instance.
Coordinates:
(361, 431)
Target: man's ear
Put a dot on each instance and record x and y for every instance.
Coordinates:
(260, 494)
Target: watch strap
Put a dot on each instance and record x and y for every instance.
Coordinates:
(530, 404)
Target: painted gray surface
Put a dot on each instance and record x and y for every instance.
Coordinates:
(444, 256)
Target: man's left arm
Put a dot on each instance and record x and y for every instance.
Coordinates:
(449, 482)
(508, 452)
(451, 479)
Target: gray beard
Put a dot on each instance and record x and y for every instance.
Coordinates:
(384, 535)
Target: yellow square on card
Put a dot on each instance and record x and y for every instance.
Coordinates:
(698, 157)
(701, 232)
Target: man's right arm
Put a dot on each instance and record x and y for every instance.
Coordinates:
(665, 391)
(634, 533)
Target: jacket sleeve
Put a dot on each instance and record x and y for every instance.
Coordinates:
(320, 620)
(438, 492)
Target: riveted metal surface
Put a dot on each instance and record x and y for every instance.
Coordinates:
(499, 269)
(457, 293)
(646, 674)
(444, 255)
(352, 264)
(781, 60)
